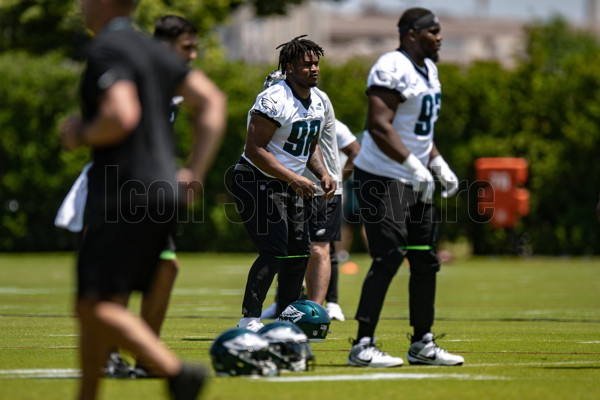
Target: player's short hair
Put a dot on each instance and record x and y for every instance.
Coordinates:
(170, 27)
(416, 18)
(295, 50)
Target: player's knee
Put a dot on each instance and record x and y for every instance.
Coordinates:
(170, 266)
(388, 263)
(424, 262)
(319, 249)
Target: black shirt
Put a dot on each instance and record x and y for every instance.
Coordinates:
(138, 174)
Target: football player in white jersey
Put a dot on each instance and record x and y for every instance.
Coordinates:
(282, 140)
(395, 189)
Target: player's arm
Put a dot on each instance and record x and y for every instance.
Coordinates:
(382, 106)
(351, 151)
(260, 133)
(119, 113)
(316, 164)
(209, 105)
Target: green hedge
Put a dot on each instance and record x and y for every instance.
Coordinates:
(546, 110)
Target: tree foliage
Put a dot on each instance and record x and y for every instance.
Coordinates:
(547, 111)
(41, 26)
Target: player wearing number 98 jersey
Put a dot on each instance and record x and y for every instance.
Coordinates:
(282, 140)
(298, 123)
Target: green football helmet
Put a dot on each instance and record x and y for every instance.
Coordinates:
(239, 351)
(309, 316)
(288, 345)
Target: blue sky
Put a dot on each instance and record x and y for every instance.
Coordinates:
(573, 10)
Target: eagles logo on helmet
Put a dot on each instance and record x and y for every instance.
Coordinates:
(240, 351)
(288, 345)
(309, 316)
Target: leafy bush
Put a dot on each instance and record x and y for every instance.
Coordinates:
(547, 111)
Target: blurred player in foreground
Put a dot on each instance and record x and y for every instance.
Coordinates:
(125, 90)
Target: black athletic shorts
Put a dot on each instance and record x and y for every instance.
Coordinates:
(324, 218)
(120, 257)
(393, 216)
(271, 212)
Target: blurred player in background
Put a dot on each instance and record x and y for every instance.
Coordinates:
(395, 189)
(348, 148)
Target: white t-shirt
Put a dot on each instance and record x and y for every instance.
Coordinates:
(297, 123)
(414, 119)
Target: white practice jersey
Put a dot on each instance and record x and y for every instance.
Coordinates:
(297, 125)
(414, 119)
(330, 145)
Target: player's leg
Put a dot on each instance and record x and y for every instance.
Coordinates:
(293, 268)
(156, 301)
(92, 356)
(424, 266)
(260, 204)
(383, 217)
(318, 271)
(332, 295)
(115, 325)
(324, 220)
(333, 308)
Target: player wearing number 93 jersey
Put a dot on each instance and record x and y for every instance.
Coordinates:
(415, 117)
(395, 189)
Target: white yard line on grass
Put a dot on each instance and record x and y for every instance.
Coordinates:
(529, 364)
(39, 373)
(381, 376)
(58, 373)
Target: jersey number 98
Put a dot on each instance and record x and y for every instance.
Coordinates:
(303, 132)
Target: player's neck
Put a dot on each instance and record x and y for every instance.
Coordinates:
(414, 57)
(300, 91)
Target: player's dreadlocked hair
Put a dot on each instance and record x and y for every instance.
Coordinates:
(295, 49)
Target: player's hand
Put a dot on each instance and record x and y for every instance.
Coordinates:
(70, 132)
(304, 187)
(328, 186)
(422, 180)
(447, 178)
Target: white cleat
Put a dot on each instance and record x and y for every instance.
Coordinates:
(366, 354)
(335, 311)
(426, 352)
(252, 324)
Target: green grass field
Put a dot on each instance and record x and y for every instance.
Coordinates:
(527, 328)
